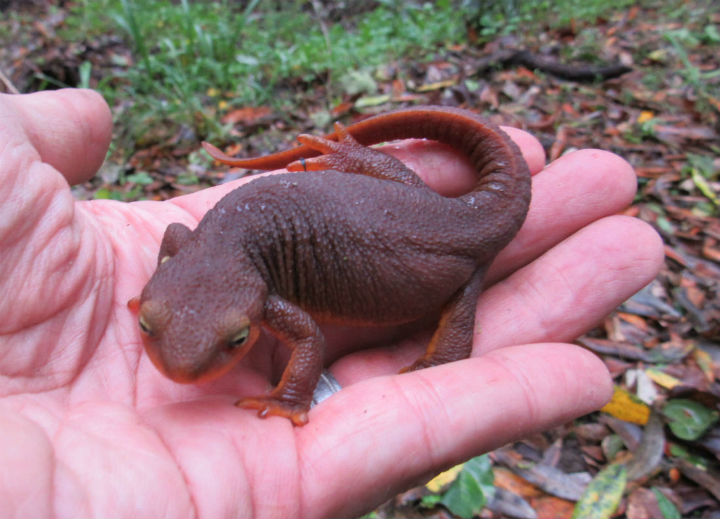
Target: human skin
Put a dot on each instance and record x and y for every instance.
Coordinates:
(90, 427)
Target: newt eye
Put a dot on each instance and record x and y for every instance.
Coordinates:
(144, 326)
(239, 338)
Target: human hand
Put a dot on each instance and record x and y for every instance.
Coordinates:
(91, 428)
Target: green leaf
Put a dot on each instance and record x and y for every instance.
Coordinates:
(688, 419)
(187, 179)
(141, 177)
(358, 82)
(603, 494)
(105, 194)
(430, 501)
(681, 452)
(705, 163)
(102, 194)
(85, 71)
(711, 34)
(473, 487)
(702, 171)
(665, 225)
(667, 508)
(612, 444)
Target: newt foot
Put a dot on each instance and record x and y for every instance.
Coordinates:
(269, 406)
(421, 363)
(345, 154)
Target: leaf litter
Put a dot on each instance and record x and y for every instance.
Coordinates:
(654, 450)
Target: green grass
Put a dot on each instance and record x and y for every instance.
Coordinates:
(526, 16)
(680, 53)
(191, 59)
(683, 41)
(188, 57)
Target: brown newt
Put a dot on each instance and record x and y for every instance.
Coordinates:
(350, 235)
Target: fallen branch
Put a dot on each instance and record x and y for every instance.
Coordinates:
(583, 72)
(570, 72)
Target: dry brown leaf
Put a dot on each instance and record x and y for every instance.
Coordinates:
(247, 115)
(550, 507)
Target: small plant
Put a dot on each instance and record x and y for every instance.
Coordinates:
(700, 81)
(701, 169)
(470, 488)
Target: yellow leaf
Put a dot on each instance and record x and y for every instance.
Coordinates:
(445, 478)
(705, 362)
(659, 55)
(437, 85)
(704, 186)
(603, 494)
(645, 116)
(366, 101)
(662, 379)
(626, 406)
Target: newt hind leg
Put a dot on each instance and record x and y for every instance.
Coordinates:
(453, 338)
(348, 155)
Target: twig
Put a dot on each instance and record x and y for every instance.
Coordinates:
(319, 13)
(9, 87)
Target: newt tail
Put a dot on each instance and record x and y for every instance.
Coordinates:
(502, 173)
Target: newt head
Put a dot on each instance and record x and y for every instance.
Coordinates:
(196, 321)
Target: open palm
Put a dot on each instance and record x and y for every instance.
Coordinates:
(90, 428)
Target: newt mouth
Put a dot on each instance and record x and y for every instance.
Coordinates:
(191, 372)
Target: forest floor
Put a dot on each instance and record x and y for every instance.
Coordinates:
(662, 114)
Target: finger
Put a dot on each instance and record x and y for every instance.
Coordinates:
(572, 287)
(450, 173)
(384, 435)
(442, 167)
(43, 243)
(532, 150)
(568, 194)
(69, 129)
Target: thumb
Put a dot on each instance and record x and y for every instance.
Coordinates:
(41, 240)
(70, 129)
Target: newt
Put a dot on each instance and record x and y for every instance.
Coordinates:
(349, 235)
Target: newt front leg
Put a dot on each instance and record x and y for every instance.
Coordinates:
(293, 394)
